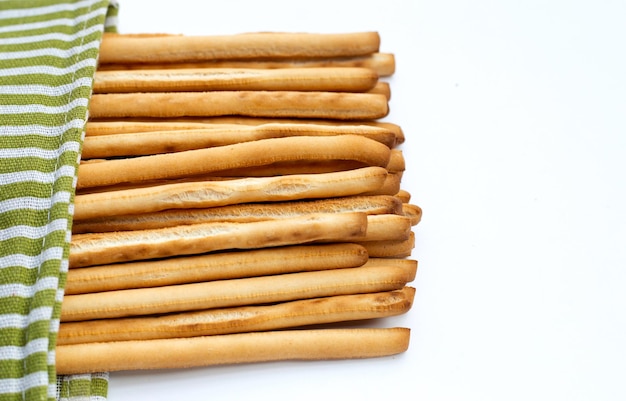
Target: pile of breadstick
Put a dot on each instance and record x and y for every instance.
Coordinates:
(238, 199)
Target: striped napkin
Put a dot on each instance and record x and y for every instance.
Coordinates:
(48, 55)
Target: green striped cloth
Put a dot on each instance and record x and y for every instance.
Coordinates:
(48, 55)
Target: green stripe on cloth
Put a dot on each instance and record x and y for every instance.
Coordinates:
(48, 57)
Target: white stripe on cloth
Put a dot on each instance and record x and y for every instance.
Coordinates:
(34, 203)
(111, 22)
(62, 37)
(40, 108)
(14, 352)
(51, 52)
(70, 22)
(31, 262)
(18, 321)
(39, 11)
(22, 384)
(33, 233)
(51, 357)
(37, 176)
(27, 291)
(70, 209)
(47, 69)
(55, 323)
(44, 154)
(43, 130)
(45, 90)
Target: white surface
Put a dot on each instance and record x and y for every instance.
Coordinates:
(515, 124)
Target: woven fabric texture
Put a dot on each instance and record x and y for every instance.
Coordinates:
(48, 57)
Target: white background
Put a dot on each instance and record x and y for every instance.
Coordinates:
(514, 113)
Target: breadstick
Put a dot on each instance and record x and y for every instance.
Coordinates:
(151, 143)
(409, 265)
(382, 88)
(284, 104)
(414, 212)
(302, 167)
(246, 154)
(105, 248)
(231, 192)
(116, 48)
(227, 293)
(155, 142)
(404, 195)
(314, 344)
(387, 227)
(287, 168)
(108, 127)
(233, 79)
(228, 134)
(395, 128)
(395, 166)
(339, 308)
(384, 64)
(390, 249)
(214, 266)
(396, 161)
(391, 185)
(381, 227)
(247, 212)
(132, 126)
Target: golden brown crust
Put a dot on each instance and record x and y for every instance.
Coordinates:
(116, 247)
(232, 349)
(349, 79)
(214, 266)
(228, 293)
(414, 212)
(383, 64)
(247, 212)
(396, 163)
(231, 217)
(382, 88)
(109, 126)
(404, 196)
(187, 195)
(182, 48)
(282, 104)
(387, 227)
(409, 265)
(389, 187)
(291, 314)
(105, 141)
(391, 248)
(247, 154)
